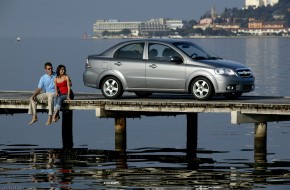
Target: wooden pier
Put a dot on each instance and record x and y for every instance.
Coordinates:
(258, 110)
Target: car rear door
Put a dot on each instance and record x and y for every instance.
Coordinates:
(128, 62)
(161, 73)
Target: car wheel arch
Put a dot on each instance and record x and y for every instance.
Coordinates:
(209, 77)
(119, 77)
(198, 76)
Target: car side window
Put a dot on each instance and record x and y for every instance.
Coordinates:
(131, 51)
(193, 51)
(160, 52)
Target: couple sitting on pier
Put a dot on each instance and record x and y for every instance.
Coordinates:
(56, 87)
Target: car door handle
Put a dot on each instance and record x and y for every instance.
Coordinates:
(153, 66)
(119, 63)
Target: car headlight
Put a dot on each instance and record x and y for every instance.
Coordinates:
(224, 71)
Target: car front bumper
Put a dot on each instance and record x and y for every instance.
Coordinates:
(235, 84)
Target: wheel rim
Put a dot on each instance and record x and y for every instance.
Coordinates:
(110, 87)
(201, 89)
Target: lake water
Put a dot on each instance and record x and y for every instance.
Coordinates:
(31, 157)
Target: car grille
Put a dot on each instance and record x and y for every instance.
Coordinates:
(245, 73)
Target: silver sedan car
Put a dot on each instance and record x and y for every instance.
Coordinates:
(149, 66)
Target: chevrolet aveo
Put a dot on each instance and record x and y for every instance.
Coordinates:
(166, 66)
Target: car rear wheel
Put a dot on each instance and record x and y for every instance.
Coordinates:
(143, 94)
(112, 87)
(201, 88)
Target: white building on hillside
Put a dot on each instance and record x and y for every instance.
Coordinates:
(174, 24)
(137, 28)
(115, 26)
(259, 3)
(272, 2)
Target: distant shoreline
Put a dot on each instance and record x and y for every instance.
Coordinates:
(190, 37)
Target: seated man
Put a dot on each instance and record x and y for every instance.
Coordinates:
(46, 83)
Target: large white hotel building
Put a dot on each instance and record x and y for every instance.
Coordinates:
(259, 3)
(137, 28)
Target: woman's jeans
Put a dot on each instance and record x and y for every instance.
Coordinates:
(58, 100)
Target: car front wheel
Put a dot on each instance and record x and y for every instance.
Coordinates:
(201, 88)
(112, 87)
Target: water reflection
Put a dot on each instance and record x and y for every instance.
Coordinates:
(266, 57)
(156, 168)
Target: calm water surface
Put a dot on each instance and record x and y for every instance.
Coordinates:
(31, 157)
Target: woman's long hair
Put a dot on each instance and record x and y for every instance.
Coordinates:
(58, 70)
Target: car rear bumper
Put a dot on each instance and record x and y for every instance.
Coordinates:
(90, 79)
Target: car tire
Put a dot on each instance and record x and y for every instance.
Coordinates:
(233, 96)
(201, 88)
(143, 94)
(112, 87)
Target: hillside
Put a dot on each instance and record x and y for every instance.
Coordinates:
(279, 12)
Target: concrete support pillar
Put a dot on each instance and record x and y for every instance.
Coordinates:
(260, 145)
(120, 134)
(191, 144)
(121, 142)
(260, 130)
(67, 128)
(192, 125)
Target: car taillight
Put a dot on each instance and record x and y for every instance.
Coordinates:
(88, 64)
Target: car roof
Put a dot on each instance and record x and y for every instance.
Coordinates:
(143, 40)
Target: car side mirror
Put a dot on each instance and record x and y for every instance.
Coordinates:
(176, 59)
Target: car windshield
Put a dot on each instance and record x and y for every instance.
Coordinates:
(194, 51)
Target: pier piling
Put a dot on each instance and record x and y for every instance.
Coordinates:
(67, 128)
(121, 142)
(120, 134)
(192, 126)
(260, 146)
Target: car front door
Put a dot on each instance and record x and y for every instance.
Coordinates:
(129, 63)
(161, 73)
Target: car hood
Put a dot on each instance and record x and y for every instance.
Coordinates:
(222, 63)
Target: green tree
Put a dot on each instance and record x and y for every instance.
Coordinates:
(192, 23)
(198, 31)
(126, 31)
(106, 33)
(287, 19)
(208, 31)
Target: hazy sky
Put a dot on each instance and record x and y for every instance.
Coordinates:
(75, 17)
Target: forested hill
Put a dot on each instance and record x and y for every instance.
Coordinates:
(279, 12)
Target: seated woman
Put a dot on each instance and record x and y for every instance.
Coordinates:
(62, 84)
